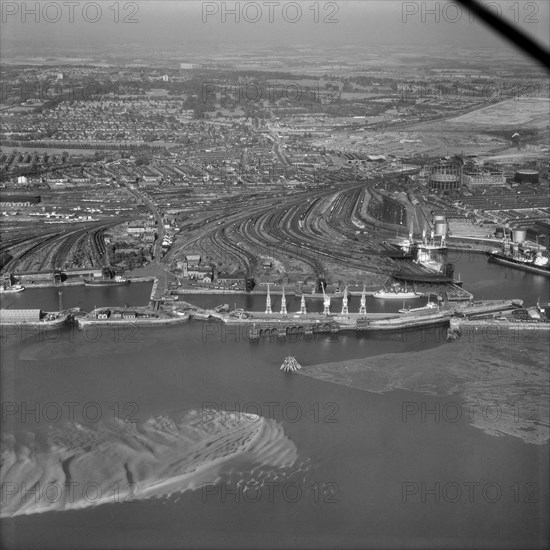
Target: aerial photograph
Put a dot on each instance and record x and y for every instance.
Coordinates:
(275, 274)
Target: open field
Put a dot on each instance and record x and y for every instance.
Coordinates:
(523, 113)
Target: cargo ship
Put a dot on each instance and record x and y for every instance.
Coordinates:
(115, 281)
(396, 293)
(521, 257)
(432, 278)
(35, 318)
(430, 306)
(432, 244)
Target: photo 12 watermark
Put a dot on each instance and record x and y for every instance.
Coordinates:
(270, 12)
(470, 492)
(471, 92)
(49, 495)
(252, 332)
(70, 11)
(253, 492)
(226, 94)
(59, 91)
(52, 412)
(523, 12)
(123, 333)
(452, 412)
(289, 411)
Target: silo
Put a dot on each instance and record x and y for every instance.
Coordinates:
(440, 226)
(519, 235)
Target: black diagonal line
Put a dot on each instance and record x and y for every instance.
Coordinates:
(508, 31)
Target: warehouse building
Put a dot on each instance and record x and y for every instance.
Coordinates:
(20, 315)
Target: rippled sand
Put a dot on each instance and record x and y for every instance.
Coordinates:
(77, 466)
(507, 378)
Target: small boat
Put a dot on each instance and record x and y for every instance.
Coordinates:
(290, 364)
(11, 289)
(453, 332)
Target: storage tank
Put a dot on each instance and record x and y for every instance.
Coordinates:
(526, 175)
(440, 228)
(519, 235)
(445, 174)
(499, 232)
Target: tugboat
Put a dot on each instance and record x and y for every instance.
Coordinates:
(290, 364)
(453, 332)
(10, 289)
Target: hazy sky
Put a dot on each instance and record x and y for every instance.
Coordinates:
(192, 25)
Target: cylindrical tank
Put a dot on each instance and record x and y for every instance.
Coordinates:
(525, 175)
(499, 232)
(519, 235)
(440, 228)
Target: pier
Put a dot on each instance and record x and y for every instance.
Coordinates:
(261, 324)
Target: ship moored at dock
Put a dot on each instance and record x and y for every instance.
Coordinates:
(134, 316)
(404, 321)
(521, 256)
(115, 281)
(36, 318)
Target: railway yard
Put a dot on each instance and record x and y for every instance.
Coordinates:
(308, 236)
(339, 234)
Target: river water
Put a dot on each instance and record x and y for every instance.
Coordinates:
(334, 465)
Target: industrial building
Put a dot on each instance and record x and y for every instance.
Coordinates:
(19, 200)
(20, 315)
(473, 179)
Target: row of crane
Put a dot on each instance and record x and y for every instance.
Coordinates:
(326, 303)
